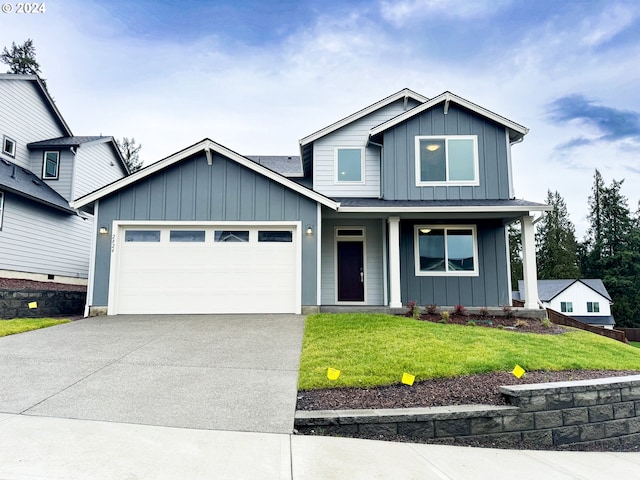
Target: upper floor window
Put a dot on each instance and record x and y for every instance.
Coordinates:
(9, 146)
(51, 165)
(447, 160)
(593, 307)
(349, 165)
(566, 307)
(446, 250)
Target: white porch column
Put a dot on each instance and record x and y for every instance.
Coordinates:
(529, 269)
(394, 262)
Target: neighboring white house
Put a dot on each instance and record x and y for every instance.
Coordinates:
(586, 300)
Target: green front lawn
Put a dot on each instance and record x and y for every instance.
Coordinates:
(19, 325)
(375, 349)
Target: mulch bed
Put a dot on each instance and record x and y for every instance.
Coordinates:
(19, 284)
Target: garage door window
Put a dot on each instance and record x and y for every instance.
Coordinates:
(186, 236)
(275, 236)
(142, 236)
(231, 236)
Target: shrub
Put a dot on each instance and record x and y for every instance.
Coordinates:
(471, 323)
(432, 309)
(411, 309)
(521, 323)
(508, 311)
(546, 323)
(444, 317)
(459, 310)
(484, 312)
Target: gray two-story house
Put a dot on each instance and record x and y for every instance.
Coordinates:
(43, 167)
(405, 200)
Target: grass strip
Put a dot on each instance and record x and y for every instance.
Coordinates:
(19, 325)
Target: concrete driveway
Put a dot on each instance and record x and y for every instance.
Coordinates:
(223, 372)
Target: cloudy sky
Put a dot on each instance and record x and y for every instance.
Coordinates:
(257, 75)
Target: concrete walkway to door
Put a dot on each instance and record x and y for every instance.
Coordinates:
(222, 372)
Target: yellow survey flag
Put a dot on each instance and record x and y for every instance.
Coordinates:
(333, 373)
(408, 379)
(33, 305)
(518, 371)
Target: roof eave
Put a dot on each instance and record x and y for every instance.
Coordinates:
(450, 209)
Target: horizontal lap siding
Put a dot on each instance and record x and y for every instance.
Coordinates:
(195, 191)
(37, 239)
(399, 156)
(25, 118)
(354, 135)
(62, 184)
(96, 165)
(490, 288)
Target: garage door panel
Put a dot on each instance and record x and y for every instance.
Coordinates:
(208, 277)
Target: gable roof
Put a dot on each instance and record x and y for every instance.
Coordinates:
(44, 93)
(404, 93)
(516, 131)
(207, 146)
(550, 289)
(24, 183)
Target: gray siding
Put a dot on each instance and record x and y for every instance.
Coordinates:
(96, 166)
(373, 267)
(399, 178)
(490, 288)
(25, 118)
(63, 183)
(37, 239)
(356, 134)
(195, 191)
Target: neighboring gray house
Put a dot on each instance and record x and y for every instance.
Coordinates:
(43, 166)
(586, 300)
(407, 199)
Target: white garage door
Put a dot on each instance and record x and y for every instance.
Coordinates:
(206, 269)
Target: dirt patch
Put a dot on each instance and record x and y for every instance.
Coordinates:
(19, 284)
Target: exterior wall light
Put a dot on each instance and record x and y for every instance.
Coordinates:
(104, 230)
(309, 230)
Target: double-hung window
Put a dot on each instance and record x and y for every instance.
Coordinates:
(446, 250)
(349, 165)
(447, 160)
(9, 146)
(51, 165)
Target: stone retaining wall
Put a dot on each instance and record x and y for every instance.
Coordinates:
(15, 304)
(589, 414)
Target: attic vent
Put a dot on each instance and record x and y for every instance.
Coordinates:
(36, 182)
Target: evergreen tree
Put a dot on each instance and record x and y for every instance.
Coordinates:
(130, 152)
(556, 245)
(515, 254)
(21, 58)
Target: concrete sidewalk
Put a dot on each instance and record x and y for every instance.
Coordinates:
(38, 448)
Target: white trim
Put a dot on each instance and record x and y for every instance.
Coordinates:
(402, 94)
(336, 174)
(118, 227)
(1, 208)
(395, 291)
(318, 235)
(449, 209)
(350, 238)
(92, 261)
(509, 164)
(529, 268)
(519, 130)
(385, 263)
(192, 150)
(44, 165)
(447, 183)
(508, 257)
(455, 273)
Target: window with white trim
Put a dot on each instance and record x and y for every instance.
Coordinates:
(1, 208)
(566, 307)
(593, 307)
(50, 165)
(446, 250)
(447, 160)
(349, 165)
(9, 146)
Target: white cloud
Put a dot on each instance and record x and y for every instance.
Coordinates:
(400, 12)
(607, 25)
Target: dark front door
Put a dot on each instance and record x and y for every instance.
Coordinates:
(350, 272)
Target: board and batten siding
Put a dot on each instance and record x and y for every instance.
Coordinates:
(399, 175)
(373, 253)
(194, 191)
(353, 135)
(38, 239)
(96, 166)
(579, 294)
(25, 118)
(491, 288)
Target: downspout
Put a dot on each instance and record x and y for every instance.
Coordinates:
(381, 169)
